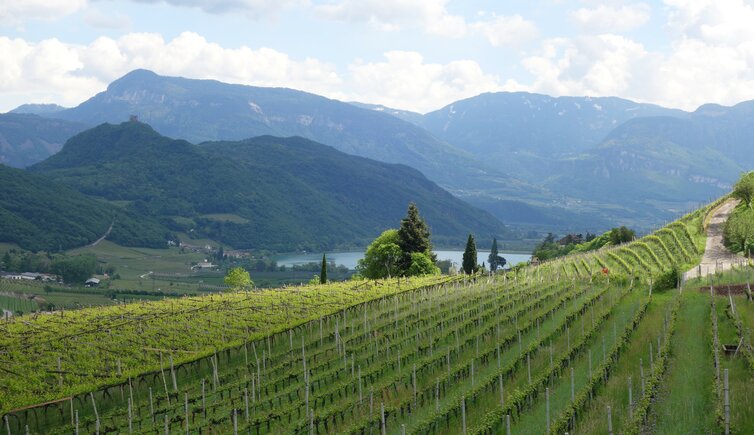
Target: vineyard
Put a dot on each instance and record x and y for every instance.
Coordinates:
(584, 344)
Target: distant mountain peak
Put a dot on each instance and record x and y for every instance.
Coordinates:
(711, 109)
(38, 109)
(137, 74)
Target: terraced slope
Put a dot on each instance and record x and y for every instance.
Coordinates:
(434, 355)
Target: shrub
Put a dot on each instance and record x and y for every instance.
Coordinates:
(668, 279)
(738, 233)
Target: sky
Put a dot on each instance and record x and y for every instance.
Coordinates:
(417, 55)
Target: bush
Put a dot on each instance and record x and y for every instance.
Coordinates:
(738, 233)
(621, 235)
(421, 264)
(668, 279)
(744, 189)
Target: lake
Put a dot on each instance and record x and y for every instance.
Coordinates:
(349, 259)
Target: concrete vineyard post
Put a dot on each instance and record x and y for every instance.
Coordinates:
(246, 404)
(508, 424)
(186, 411)
(502, 395)
(727, 401)
(547, 409)
(382, 418)
(463, 414)
(609, 421)
(437, 395)
(172, 375)
(164, 380)
(94, 406)
(151, 403)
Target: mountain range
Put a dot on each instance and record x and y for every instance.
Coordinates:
(534, 161)
(272, 193)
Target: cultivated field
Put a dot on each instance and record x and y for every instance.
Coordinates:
(563, 347)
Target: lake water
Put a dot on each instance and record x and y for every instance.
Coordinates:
(349, 259)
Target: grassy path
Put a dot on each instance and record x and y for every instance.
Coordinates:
(615, 392)
(686, 401)
(739, 375)
(534, 421)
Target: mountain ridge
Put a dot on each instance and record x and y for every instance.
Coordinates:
(280, 194)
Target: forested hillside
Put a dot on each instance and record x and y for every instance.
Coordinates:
(279, 194)
(37, 213)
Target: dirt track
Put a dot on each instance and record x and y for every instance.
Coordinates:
(717, 257)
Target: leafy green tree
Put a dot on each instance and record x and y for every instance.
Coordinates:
(413, 236)
(738, 232)
(238, 278)
(323, 273)
(7, 261)
(744, 189)
(381, 257)
(75, 269)
(421, 265)
(494, 258)
(469, 256)
(621, 235)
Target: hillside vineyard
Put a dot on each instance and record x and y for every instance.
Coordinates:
(534, 350)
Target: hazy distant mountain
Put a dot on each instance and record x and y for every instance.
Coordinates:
(38, 109)
(37, 213)
(267, 192)
(568, 163)
(524, 132)
(26, 139)
(694, 157)
(202, 110)
(412, 117)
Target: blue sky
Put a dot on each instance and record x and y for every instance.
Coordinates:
(410, 54)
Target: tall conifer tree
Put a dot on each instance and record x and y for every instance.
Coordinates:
(413, 237)
(469, 256)
(323, 273)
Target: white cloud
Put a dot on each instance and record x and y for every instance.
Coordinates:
(405, 81)
(507, 30)
(15, 12)
(713, 21)
(69, 73)
(605, 18)
(393, 15)
(254, 8)
(53, 71)
(100, 20)
(587, 65)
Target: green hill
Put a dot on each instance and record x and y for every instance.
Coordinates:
(39, 214)
(270, 193)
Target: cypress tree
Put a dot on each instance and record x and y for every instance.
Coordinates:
(469, 256)
(413, 236)
(493, 255)
(495, 259)
(323, 273)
